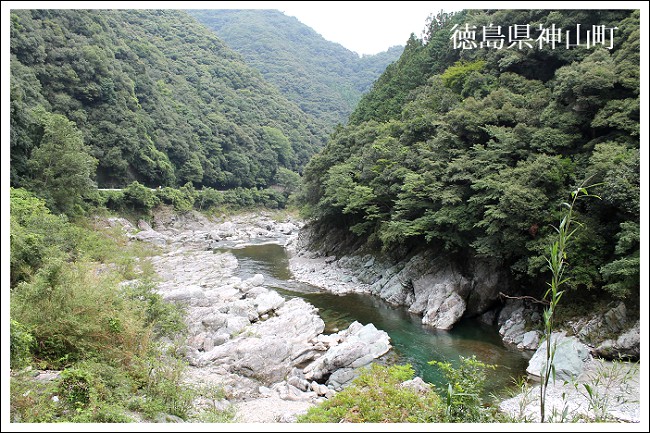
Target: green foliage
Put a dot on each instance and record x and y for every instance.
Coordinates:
(138, 197)
(165, 386)
(208, 198)
(165, 318)
(467, 150)
(457, 75)
(96, 391)
(71, 310)
(376, 396)
(73, 315)
(622, 275)
(38, 236)
(33, 231)
(31, 401)
(76, 387)
(155, 95)
(323, 78)
(21, 343)
(464, 390)
(60, 167)
(139, 200)
(182, 199)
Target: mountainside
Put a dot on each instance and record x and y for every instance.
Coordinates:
(157, 97)
(471, 152)
(325, 79)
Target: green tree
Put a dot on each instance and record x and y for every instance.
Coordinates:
(61, 167)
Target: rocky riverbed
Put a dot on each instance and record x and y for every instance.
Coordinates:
(268, 354)
(271, 356)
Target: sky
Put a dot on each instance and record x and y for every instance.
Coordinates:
(366, 28)
(373, 27)
(362, 27)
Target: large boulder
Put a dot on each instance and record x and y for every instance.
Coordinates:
(262, 359)
(569, 360)
(152, 237)
(296, 321)
(269, 301)
(444, 310)
(185, 295)
(529, 341)
(226, 229)
(359, 347)
(613, 334)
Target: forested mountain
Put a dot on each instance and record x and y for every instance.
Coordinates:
(154, 95)
(472, 151)
(325, 79)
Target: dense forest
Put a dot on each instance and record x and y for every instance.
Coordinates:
(146, 95)
(325, 79)
(471, 151)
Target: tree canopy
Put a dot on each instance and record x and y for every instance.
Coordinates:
(157, 97)
(472, 151)
(324, 78)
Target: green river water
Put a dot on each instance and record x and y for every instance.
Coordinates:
(412, 342)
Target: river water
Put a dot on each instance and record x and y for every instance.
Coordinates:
(412, 342)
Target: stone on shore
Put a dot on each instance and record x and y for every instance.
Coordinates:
(569, 359)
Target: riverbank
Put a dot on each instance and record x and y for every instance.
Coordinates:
(591, 389)
(604, 392)
(232, 320)
(268, 355)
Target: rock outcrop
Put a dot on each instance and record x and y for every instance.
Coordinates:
(519, 323)
(442, 292)
(426, 283)
(611, 335)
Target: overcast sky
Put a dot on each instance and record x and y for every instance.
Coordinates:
(372, 27)
(362, 27)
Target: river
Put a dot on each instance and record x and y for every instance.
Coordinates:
(412, 342)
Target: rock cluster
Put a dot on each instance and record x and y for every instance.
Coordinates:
(610, 335)
(426, 284)
(242, 335)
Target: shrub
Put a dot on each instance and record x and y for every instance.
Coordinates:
(75, 314)
(376, 396)
(36, 234)
(165, 390)
(76, 387)
(208, 198)
(182, 199)
(137, 197)
(166, 318)
(21, 342)
(464, 390)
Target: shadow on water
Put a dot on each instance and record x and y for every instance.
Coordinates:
(413, 343)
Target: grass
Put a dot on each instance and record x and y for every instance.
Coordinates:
(377, 397)
(70, 312)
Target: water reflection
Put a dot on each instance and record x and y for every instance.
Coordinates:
(413, 343)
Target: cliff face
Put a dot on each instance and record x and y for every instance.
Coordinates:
(432, 285)
(443, 289)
